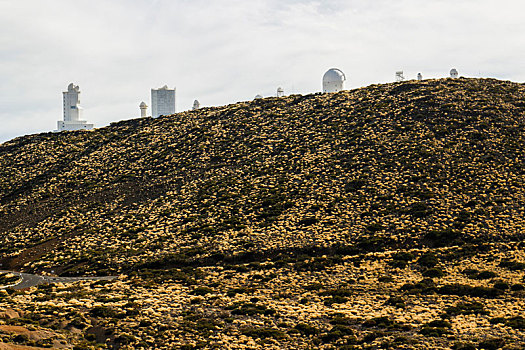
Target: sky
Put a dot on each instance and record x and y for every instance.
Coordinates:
(222, 52)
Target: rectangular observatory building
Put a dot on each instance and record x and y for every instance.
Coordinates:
(162, 101)
(72, 111)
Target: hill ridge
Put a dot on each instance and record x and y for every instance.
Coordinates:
(390, 216)
(290, 141)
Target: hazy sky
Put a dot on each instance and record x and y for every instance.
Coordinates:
(225, 51)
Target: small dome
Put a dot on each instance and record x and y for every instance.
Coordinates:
(258, 97)
(143, 105)
(334, 75)
(196, 105)
(72, 87)
(454, 73)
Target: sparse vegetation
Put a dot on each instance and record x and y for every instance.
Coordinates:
(384, 217)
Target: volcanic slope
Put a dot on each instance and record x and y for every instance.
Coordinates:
(384, 217)
(387, 166)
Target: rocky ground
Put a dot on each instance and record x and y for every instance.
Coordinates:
(384, 217)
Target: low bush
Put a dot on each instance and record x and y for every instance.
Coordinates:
(341, 292)
(501, 285)
(399, 264)
(463, 308)
(464, 346)
(442, 238)
(340, 319)
(517, 322)
(335, 300)
(403, 256)
(512, 265)
(470, 273)
(383, 322)
(479, 275)
(425, 286)
(485, 275)
(466, 290)
(201, 291)
(396, 301)
(437, 328)
(306, 329)
(336, 333)
(250, 309)
(103, 312)
(491, 344)
(428, 260)
(234, 291)
(385, 279)
(263, 333)
(434, 272)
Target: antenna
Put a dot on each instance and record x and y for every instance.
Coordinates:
(400, 76)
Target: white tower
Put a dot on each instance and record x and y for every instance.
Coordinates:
(196, 105)
(143, 109)
(419, 76)
(162, 101)
(334, 80)
(280, 92)
(454, 73)
(400, 76)
(72, 111)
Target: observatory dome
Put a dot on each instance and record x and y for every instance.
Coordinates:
(196, 105)
(73, 88)
(143, 105)
(333, 80)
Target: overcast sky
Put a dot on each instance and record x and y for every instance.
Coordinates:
(225, 51)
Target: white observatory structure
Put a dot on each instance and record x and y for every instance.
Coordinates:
(196, 105)
(334, 80)
(454, 73)
(258, 97)
(143, 109)
(72, 111)
(419, 77)
(162, 101)
(280, 92)
(400, 76)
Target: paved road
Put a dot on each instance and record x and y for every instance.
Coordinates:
(30, 280)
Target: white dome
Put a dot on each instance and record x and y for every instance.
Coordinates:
(334, 75)
(333, 80)
(143, 105)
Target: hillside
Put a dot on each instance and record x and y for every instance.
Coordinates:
(354, 218)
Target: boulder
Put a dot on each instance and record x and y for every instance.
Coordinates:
(9, 314)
